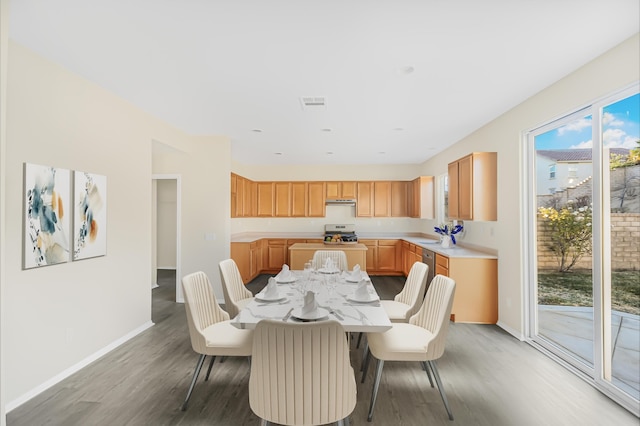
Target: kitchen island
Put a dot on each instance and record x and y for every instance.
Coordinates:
(300, 253)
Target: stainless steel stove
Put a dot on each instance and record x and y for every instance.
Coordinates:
(340, 234)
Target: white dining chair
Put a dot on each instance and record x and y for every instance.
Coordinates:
(339, 258)
(301, 374)
(209, 328)
(236, 295)
(422, 339)
(408, 301)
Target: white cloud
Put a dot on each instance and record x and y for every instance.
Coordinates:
(576, 126)
(617, 138)
(609, 119)
(581, 145)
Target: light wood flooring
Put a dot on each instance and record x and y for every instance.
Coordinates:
(490, 379)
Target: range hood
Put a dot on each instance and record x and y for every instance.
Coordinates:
(340, 202)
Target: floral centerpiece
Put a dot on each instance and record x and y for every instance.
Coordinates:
(448, 231)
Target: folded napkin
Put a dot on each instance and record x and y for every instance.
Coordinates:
(328, 264)
(310, 304)
(271, 291)
(355, 274)
(284, 274)
(362, 292)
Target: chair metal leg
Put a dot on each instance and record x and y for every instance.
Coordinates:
(376, 384)
(432, 364)
(365, 364)
(426, 368)
(193, 381)
(263, 422)
(365, 350)
(213, 358)
(359, 339)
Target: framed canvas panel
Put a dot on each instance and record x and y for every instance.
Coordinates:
(47, 214)
(90, 218)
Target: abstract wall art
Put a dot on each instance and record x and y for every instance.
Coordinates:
(47, 196)
(90, 223)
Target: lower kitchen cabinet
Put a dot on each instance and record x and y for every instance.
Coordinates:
(384, 257)
(248, 258)
(476, 296)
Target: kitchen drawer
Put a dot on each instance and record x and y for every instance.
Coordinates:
(442, 261)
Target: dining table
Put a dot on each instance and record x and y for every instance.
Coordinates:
(335, 297)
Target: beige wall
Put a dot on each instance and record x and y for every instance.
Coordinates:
(56, 318)
(610, 72)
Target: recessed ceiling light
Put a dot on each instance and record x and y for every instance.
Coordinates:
(257, 130)
(329, 153)
(277, 153)
(406, 70)
(326, 129)
(381, 152)
(398, 129)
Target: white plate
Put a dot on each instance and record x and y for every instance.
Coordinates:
(329, 271)
(316, 315)
(288, 280)
(269, 300)
(349, 279)
(372, 298)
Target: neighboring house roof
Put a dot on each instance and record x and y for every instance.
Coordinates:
(576, 154)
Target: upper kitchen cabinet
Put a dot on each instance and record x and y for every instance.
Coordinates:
(382, 199)
(265, 199)
(364, 204)
(316, 194)
(243, 196)
(473, 187)
(299, 199)
(421, 198)
(336, 190)
(282, 206)
(399, 199)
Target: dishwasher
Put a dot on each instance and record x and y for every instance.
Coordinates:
(429, 258)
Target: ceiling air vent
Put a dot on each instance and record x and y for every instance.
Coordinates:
(313, 102)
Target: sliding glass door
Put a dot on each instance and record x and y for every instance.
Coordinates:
(584, 280)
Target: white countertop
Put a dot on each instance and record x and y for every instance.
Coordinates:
(457, 251)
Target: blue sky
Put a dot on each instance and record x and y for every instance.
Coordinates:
(621, 128)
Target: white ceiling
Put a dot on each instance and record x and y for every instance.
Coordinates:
(231, 67)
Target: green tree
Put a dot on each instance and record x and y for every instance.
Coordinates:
(570, 229)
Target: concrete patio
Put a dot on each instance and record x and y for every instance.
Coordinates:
(572, 328)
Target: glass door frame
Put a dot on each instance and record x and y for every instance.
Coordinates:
(600, 374)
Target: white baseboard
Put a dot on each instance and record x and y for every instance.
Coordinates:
(154, 285)
(75, 368)
(169, 268)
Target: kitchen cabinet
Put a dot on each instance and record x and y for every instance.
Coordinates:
(316, 194)
(476, 295)
(473, 187)
(421, 198)
(248, 258)
(399, 199)
(282, 204)
(388, 255)
(341, 190)
(265, 199)
(382, 199)
(384, 257)
(299, 199)
(364, 204)
(411, 254)
(372, 254)
(277, 253)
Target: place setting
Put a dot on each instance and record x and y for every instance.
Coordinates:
(362, 294)
(271, 294)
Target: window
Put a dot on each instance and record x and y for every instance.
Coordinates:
(552, 171)
(572, 169)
